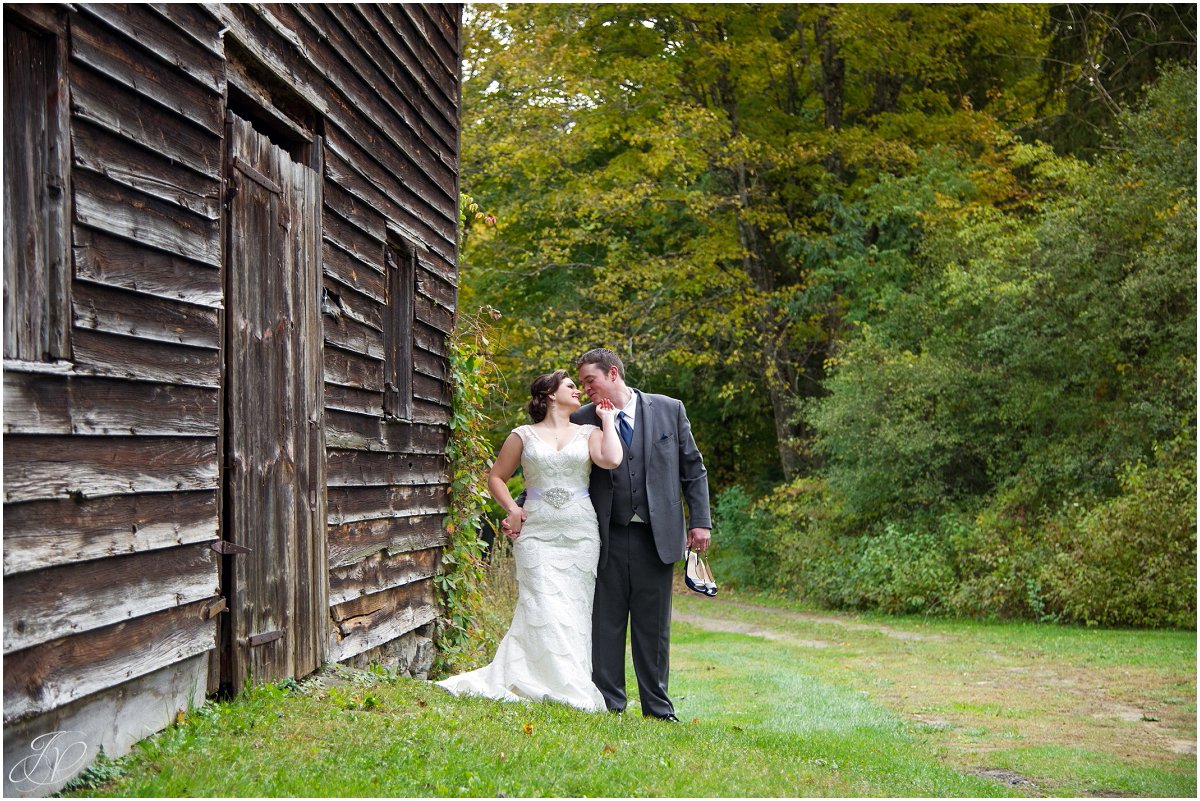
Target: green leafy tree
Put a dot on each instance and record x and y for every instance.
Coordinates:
(684, 182)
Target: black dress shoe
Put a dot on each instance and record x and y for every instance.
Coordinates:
(670, 718)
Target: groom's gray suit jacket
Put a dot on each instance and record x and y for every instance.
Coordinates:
(673, 469)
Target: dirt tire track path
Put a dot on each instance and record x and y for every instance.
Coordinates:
(973, 698)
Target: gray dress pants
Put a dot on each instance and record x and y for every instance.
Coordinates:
(634, 588)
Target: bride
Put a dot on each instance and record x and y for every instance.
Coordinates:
(547, 652)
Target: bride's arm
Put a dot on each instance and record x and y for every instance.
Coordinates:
(502, 470)
(604, 446)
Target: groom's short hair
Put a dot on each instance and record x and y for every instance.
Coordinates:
(603, 358)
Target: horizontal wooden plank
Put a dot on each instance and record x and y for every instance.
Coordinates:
(349, 369)
(270, 51)
(431, 414)
(372, 620)
(342, 300)
(350, 399)
(46, 17)
(348, 270)
(45, 404)
(380, 572)
(431, 340)
(52, 674)
(351, 504)
(99, 353)
(354, 468)
(355, 212)
(43, 534)
(117, 262)
(352, 431)
(60, 601)
(136, 22)
(431, 389)
(351, 542)
(433, 285)
(352, 239)
(433, 314)
(351, 335)
(369, 403)
(122, 161)
(125, 62)
(430, 365)
(196, 21)
(119, 109)
(118, 311)
(47, 467)
(116, 209)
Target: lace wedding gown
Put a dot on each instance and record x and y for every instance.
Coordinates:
(547, 653)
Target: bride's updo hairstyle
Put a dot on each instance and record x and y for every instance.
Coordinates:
(540, 391)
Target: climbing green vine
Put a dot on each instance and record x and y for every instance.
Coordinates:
(459, 583)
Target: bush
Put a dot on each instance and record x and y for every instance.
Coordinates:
(739, 543)
(903, 572)
(1131, 561)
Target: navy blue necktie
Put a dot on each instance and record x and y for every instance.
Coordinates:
(624, 429)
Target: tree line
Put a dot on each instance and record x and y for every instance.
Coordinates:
(924, 275)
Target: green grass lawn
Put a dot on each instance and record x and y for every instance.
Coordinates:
(1052, 710)
(776, 701)
(764, 726)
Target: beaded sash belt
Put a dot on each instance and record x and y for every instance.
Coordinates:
(558, 497)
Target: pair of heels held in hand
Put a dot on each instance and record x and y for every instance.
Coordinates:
(697, 575)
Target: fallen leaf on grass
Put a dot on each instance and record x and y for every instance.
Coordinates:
(528, 728)
(608, 749)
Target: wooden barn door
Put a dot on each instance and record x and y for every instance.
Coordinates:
(274, 422)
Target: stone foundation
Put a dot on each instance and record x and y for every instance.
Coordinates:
(409, 654)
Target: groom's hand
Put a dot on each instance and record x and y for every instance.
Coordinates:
(698, 539)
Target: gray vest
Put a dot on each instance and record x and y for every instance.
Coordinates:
(629, 484)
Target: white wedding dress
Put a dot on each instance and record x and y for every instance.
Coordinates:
(547, 653)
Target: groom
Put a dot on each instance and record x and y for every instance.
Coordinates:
(640, 509)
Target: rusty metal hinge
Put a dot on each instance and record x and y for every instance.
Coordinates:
(213, 608)
(225, 546)
(264, 638)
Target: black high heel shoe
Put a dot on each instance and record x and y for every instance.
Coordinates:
(693, 573)
(710, 584)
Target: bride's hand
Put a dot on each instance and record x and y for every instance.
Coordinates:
(605, 410)
(511, 525)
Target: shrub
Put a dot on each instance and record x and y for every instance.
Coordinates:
(1131, 560)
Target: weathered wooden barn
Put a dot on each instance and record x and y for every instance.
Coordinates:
(229, 283)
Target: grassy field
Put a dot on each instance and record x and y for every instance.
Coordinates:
(776, 701)
(1048, 710)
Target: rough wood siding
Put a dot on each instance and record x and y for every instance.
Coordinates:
(112, 470)
(386, 79)
(111, 458)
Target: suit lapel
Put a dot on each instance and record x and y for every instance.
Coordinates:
(642, 421)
